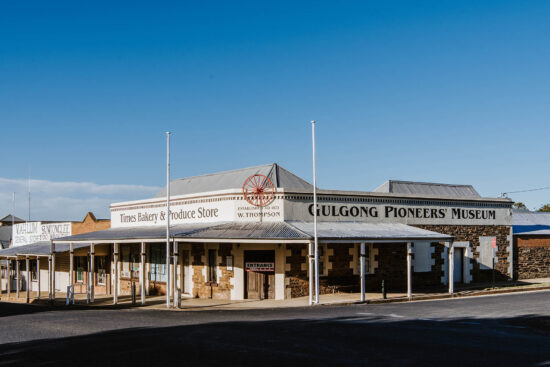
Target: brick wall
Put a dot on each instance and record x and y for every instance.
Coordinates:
(90, 224)
(531, 257)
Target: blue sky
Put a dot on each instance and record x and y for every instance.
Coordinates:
(442, 91)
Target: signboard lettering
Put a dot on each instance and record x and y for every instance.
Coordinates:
(260, 266)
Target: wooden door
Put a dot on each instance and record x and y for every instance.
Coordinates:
(253, 285)
(269, 286)
(259, 274)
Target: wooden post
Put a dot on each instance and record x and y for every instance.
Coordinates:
(115, 277)
(18, 274)
(92, 271)
(28, 285)
(9, 279)
(409, 271)
(363, 271)
(38, 275)
(71, 263)
(1, 277)
(175, 302)
(142, 273)
(451, 268)
(50, 278)
(53, 270)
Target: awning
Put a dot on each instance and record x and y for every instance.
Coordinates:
(248, 231)
(133, 233)
(291, 231)
(369, 231)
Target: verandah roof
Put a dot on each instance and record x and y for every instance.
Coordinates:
(234, 231)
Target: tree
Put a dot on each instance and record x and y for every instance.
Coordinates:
(544, 208)
(519, 205)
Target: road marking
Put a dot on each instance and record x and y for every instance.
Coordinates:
(396, 316)
(461, 298)
(381, 315)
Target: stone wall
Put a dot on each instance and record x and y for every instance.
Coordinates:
(296, 270)
(200, 290)
(531, 257)
(222, 290)
(472, 234)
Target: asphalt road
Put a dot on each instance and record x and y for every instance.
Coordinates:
(504, 330)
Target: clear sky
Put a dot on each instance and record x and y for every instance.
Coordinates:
(443, 91)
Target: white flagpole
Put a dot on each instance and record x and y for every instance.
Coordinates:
(12, 218)
(315, 217)
(29, 187)
(167, 270)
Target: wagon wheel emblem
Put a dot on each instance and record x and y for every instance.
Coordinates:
(258, 190)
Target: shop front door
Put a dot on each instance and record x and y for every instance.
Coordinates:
(259, 274)
(458, 264)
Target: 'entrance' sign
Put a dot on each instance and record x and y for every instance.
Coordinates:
(264, 267)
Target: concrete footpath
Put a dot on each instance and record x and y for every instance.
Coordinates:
(196, 304)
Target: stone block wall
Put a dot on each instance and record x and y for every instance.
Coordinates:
(222, 290)
(200, 289)
(296, 270)
(531, 257)
(472, 234)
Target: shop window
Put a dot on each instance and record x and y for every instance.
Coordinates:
(212, 274)
(125, 257)
(134, 261)
(157, 267)
(33, 271)
(80, 262)
(101, 270)
(323, 260)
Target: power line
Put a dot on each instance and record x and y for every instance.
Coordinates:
(504, 194)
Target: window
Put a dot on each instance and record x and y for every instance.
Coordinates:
(101, 270)
(135, 262)
(33, 270)
(157, 271)
(212, 257)
(80, 266)
(322, 259)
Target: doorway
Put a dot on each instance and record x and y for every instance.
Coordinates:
(259, 274)
(458, 270)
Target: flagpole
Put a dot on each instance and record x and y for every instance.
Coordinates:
(167, 270)
(12, 218)
(315, 216)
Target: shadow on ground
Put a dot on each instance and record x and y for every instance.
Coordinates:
(347, 341)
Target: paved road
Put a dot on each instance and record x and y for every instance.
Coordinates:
(505, 330)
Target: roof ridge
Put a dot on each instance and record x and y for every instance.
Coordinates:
(222, 172)
(429, 183)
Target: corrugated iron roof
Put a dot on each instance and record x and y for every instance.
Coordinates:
(369, 231)
(428, 188)
(234, 179)
(148, 232)
(532, 223)
(257, 230)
